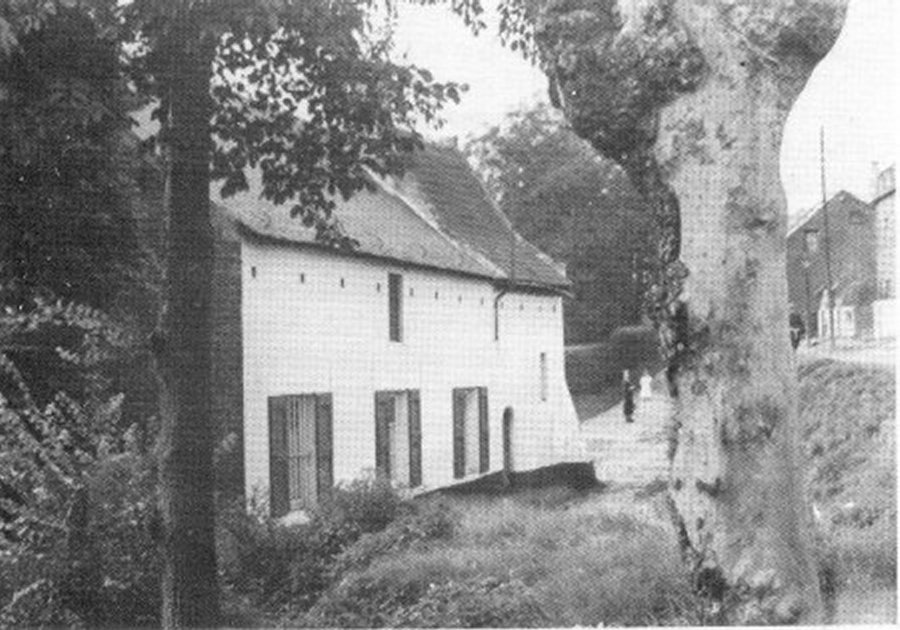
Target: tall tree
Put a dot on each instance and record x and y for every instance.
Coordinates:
(297, 90)
(304, 91)
(65, 208)
(691, 98)
(575, 205)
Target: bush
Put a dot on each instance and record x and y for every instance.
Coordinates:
(365, 505)
(285, 567)
(101, 568)
(428, 521)
(510, 562)
(391, 598)
(636, 348)
(590, 368)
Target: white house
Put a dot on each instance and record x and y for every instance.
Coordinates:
(431, 353)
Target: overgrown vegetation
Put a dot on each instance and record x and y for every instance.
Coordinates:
(848, 434)
(77, 493)
(266, 567)
(552, 557)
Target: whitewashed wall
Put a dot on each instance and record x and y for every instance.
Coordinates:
(317, 336)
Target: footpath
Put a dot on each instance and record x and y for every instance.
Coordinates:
(629, 454)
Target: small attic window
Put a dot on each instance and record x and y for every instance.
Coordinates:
(435, 295)
(252, 272)
(302, 278)
(412, 292)
(342, 283)
(378, 287)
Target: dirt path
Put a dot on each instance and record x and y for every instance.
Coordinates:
(629, 454)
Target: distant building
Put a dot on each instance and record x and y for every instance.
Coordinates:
(851, 245)
(431, 353)
(885, 306)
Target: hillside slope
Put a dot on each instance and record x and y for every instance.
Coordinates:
(848, 425)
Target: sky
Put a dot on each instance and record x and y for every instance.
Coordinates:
(852, 94)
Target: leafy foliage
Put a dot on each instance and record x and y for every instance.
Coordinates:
(277, 566)
(478, 562)
(304, 94)
(76, 496)
(577, 207)
(65, 208)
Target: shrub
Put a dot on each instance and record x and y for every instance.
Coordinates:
(392, 601)
(100, 568)
(509, 562)
(366, 505)
(428, 521)
(280, 567)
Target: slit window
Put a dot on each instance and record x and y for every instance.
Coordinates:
(543, 369)
(395, 307)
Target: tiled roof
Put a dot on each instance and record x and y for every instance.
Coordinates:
(438, 215)
(840, 202)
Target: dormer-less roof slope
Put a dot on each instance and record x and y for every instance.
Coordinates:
(842, 205)
(437, 215)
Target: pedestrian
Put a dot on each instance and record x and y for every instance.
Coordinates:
(646, 383)
(628, 405)
(798, 329)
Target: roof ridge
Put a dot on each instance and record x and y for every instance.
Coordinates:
(806, 215)
(474, 256)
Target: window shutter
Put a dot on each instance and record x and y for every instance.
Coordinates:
(279, 502)
(324, 447)
(459, 433)
(384, 412)
(484, 443)
(415, 438)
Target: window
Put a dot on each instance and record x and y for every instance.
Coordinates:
(395, 307)
(543, 368)
(470, 431)
(398, 437)
(812, 241)
(300, 451)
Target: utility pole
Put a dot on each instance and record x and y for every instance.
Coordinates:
(829, 285)
(806, 264)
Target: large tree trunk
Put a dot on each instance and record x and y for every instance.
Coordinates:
(189, 581)
(691, 97)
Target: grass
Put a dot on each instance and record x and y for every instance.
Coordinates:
(560, 557)
(847, 418)
(542, 558)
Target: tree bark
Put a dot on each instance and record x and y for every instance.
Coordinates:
(691, 97)
(182, 343)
